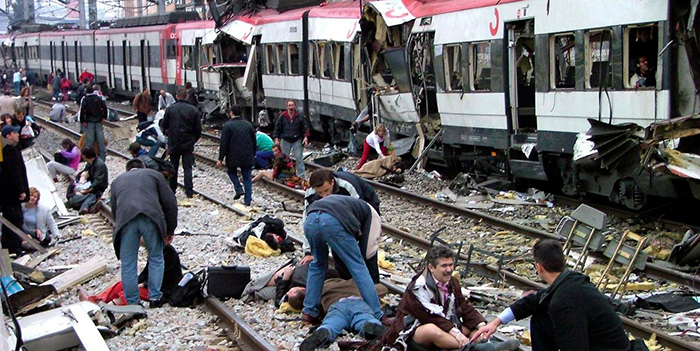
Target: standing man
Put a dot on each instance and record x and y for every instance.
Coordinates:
(31, 80)
(84, 200)
(56, 84)
(291, 128)
(17, 80)
(191, 95)
(93, 110)
(183, 127)
(349, 227)
(238, 147)
(14, 189)
(165, 99)
(142, 105)
(569, 315)
(144, 208)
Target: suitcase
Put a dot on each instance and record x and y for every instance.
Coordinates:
(227, 281)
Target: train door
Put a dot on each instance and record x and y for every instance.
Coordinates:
(521, 75)
(52, 54)
(77, 61)
(63, 58)
(197, 61)
(125, 48)
(143, 53)
(109, 64)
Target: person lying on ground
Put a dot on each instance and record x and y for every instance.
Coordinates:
(283, 284)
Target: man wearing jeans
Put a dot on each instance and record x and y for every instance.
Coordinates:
(93, 110)
(183, 127)
(238, 146)
(291, 128)
(346, 225)
(144, 208)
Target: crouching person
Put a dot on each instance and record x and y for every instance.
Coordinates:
(143, 207)
(344, 309)
(433, 313)
(85, 199)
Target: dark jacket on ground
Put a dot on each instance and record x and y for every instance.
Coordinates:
(335, 289)
(99, 177)
(348, 184)
(93, 109)
(582, 316)
(172, 272)
(143, 191)
(183, 127)
(292, 128)
(411, 309)
(237, 143)
(13, 176)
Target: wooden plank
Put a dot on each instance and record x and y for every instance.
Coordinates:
(23, 260)
(78, 275)
(35, 262)
(35, 244)
(87, 332)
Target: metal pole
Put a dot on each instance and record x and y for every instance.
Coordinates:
(161, 6)
(425, 151)
(92, 13)
(82, 15)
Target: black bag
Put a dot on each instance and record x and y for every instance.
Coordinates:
(227, 281)
(58, 157)
(189, 294)
(163, 165)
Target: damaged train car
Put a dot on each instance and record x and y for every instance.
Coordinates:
(506, 86)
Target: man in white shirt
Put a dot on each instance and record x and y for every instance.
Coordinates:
(165, 99)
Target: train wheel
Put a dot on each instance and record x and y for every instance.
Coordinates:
(627, 193)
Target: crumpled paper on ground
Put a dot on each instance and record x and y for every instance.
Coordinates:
(258, 248)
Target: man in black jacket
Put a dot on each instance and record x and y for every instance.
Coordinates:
(92, 111)
(570, 315)
(84, 200)
(14, 187)
(143, 207)
(238, 147)
(183, 127)
(293, 133)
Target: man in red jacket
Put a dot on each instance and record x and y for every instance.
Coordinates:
(86, 75)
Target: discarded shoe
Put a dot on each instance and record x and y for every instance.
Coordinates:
(372, 331)
(315, 340)
(308, 319)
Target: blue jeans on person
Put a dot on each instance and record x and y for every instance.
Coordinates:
(263, 159)
(82, 202)
(296, 151)
(247, 183)
(55, 94)
(129, 239)
(323, 230)
(93, 132)
(348, 313)
(155, 145)
(17, 87)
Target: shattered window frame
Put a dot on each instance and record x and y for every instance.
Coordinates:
(627, 58)
(281, 59)
(598, 53)
(322, 60)
(570, 61)
(456, 84)
(188, 57)
(171, 49)
(338, 54)
(312, 59)
(293, 69)
(270, 65)
(474, 67)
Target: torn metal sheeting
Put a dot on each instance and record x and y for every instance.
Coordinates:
(38, 177)
(52, 330)
(398, 107)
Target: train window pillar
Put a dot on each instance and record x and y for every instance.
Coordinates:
(323, 69)
(339, 60)
(281, 61)
(480, 64)
(640, 56)
(599, 59)
(453, 70)
(312, 59)
(562, 58)
(293, 58)
(270, 59)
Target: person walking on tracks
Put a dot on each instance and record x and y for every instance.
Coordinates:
(144, 208)
(183, 127)
(238, 146)
(294, 133)
(14, 189)
(93, 110)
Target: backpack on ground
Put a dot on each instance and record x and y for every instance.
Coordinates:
(189, 291)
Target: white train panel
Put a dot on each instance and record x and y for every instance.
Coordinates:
(281, 32)
(572, 15)
(284, 87)
(479, 110)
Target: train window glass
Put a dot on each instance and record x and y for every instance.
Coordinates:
(563, 61)
(640, 56)
(293, 52)
(312, 59)
(453, 67)
(172, 49)
(599, 59)
(187, 57)
(270, 59)
(480, 63)
(339, 60)
(281, 62)
(322, 60)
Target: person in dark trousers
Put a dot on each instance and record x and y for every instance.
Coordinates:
(350, 228)
(191, 95)
(183, 127)
(144, 208)
(324, 182)
(293, 133)
(14, 187)
(56, 84)
(238, 147)
(93, 110)
(85, 200)
(569, 315)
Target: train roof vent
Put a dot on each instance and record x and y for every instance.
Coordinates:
(153, 20)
